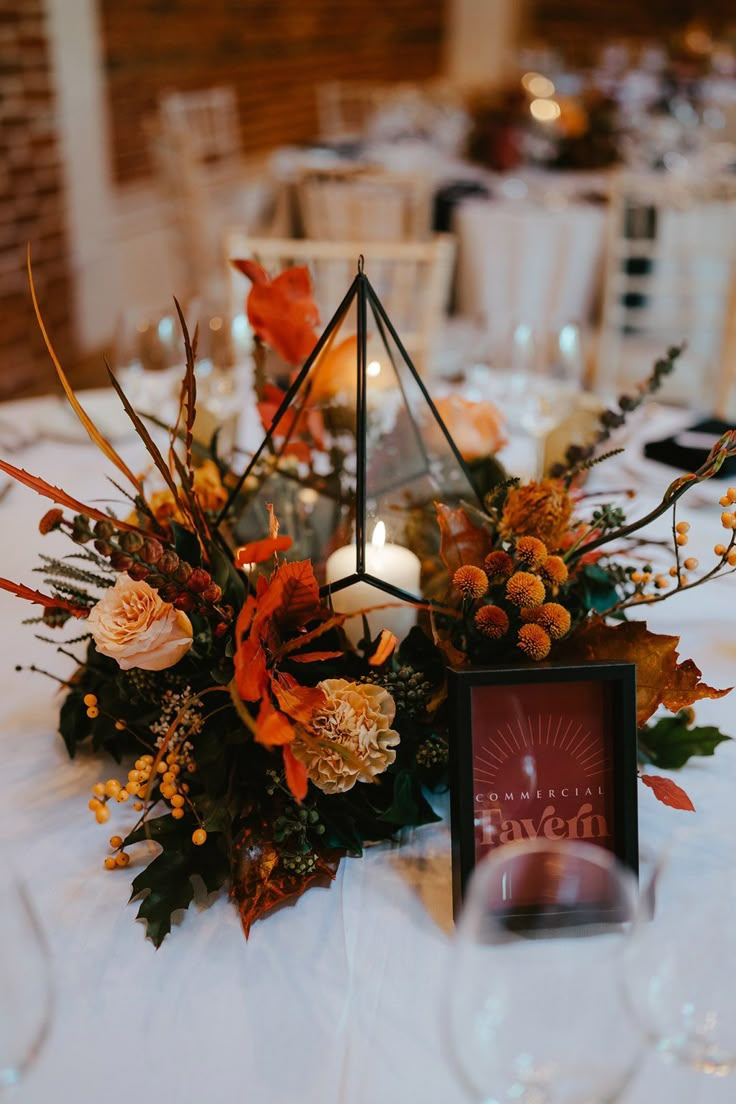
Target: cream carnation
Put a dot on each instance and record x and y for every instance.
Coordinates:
(134, 626)
(355, 737)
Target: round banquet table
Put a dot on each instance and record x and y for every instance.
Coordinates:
(337, 999)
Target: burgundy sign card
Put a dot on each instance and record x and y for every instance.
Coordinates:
(542, 753)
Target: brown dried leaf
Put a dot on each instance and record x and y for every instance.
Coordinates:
(259, 883)
(297, 594)
(94, 434)
(295, 773)
(298, 702)
(462, 542)
(660, 679)
(259, 551)
(686, 678)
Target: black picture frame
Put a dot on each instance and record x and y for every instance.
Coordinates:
(474, 689)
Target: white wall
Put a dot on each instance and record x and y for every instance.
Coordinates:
(122, 243)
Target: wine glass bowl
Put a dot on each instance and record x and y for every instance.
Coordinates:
(678, 966)
(536, 1014)
(25, 975)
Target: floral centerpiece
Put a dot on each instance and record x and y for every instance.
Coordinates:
(512, 126)
(257, 745)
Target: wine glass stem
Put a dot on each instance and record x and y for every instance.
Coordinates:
(540, 443)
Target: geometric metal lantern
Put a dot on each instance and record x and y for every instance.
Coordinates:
(357, 449)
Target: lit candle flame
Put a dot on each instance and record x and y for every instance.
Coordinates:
(379, 535)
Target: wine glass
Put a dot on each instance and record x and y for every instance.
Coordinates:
(217, 350)
(678, 965)
(25, 976)
(536, 1013)
(546, 373)
(148, 359)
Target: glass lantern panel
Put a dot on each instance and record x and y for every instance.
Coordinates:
(310, 468)
(306, 469)
(410, 463)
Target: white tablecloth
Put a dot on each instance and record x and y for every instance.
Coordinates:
(339, 999)
(522, 262)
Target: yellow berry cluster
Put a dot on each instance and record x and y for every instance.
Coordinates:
(148, 777)
(121, 859)
(523, 577)
(727, 553)
(137, 785)
(90, 700)
(679, 572)
(93, 710)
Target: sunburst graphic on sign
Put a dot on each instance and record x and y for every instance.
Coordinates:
(530, 742)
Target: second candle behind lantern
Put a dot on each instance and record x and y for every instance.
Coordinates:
(391, 562)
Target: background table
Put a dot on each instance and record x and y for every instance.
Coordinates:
(523, 262)
(339, 999)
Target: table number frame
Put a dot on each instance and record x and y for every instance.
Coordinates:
(542, 752)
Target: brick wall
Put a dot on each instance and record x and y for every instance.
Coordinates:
(579, 27)
(272, 51)
(31, 203)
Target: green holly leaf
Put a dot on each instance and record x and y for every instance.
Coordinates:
(168, 887)
(167, 881)
(669, 743)
(160, 829)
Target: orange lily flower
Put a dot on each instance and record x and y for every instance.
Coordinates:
(282, 311)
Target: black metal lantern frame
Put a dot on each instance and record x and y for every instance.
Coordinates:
(367, 305)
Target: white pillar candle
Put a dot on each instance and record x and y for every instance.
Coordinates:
(391, 562)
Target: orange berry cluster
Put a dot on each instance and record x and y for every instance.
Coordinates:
(522, 578)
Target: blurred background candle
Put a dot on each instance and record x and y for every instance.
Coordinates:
(391, 562)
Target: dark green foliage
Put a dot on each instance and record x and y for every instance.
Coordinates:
(669, 742)
(167, 881)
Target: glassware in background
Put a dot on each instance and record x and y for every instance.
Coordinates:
(218, 353)
(546, 373)
(679, 963)
(536, 1012)
(147, 359)
(25, 979)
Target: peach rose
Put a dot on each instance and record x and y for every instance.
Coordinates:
(475, 427)
(135, 627)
